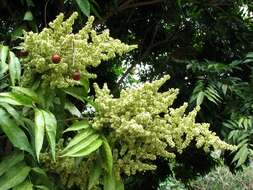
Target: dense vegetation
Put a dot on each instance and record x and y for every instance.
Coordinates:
(55, 121)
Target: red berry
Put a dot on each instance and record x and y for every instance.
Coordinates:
(76, 75)
(56, 58)
(22, 53)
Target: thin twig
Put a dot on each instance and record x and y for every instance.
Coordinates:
(140, 57)
(45, 13)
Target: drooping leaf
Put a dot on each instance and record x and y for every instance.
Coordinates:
(200, 98)
(81, 146)
(15, 99)
(14, 176)
(72, 109)
(17, 117)
(10, 161)
(29, 93)
(26, 185)
(78, 138)
(89, 149)
(79, 125)
(4, 50)
(107, 155)
(14, 68)
(39, 131)
(50, 126)
(77, 92)
(17, 137)
(109, 182)
(84, 6)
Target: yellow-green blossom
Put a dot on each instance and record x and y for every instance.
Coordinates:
(140, 127)
(77, 51)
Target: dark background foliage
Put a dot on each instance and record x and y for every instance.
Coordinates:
(204, 45)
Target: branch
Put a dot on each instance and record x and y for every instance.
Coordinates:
(151, 46)
(141, 57)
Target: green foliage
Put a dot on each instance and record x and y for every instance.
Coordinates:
(119, 136)
(140, 126)
(222, 179)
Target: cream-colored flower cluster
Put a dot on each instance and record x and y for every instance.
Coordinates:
(77, 52)
(71, 173)
(141, 127)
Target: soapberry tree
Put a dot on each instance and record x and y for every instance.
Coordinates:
(54, 143)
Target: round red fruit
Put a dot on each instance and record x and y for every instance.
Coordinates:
(76, 75)
(56, 58)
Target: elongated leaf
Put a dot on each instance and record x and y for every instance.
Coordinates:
(84, 6)
(94, 175)
(109, 182)
(243, 155)
(29, 93)
(50, 126)
(78, 138)
(89, 149)
(3, 57)
(107, 155)
(79, 125)
(26, 185)
(42, 187)
(10, 161)
(13, 113)
(39, 131)
(77, 92)
(72, 109)
(81, 145)
(14, 68)
(13, 132)
(16, 175)
(15, 99)
(119, 184)
(200, 98)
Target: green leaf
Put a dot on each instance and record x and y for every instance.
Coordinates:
(80, 125)
(50, 126)
(10, 161)
(42, 187)
(119, 184)
(107, 155)
(15, 99)
(13, 132)
(16, 175)
(39, 131)
(109, 182)
(28, 16)
(80, 145)
(78, 138)
(18, 118)
(200, 98)
(84, 6)
(14, 69)
(26, 185)
(243, 155)
(89, 149)
(72, 109)
(29, 93)
(4, 50)
(94, 175)
(77, 92)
